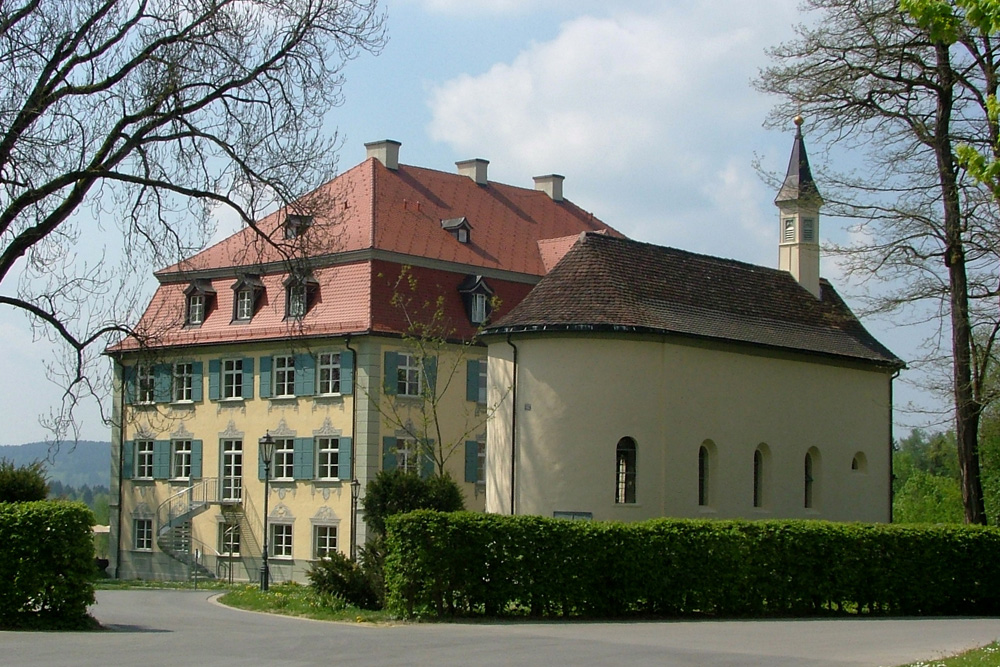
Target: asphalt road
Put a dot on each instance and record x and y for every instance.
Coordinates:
(151, 628)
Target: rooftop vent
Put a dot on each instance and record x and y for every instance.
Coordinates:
(551, 185)
(474, 169)
(385, 151)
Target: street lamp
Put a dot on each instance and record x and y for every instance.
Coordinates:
(266, 446)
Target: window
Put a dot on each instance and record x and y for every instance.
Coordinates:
(232, 470)
(284, 376)
(808, 482)
(408, 455)
(284, 455)
(145, 385)
(296, 225)
(324, 541)
(142, 532)
(859, 463)
(481, 398)
(229, 539)
(788, 235)
(703, 475)
(480, 463)
(195, 308)
(462, 235)
(281, 540)
(297, 296)
(183, 382)
(327, 458)
(408, 375)
(478, 297)
(758, 478)
(232, 378)
(478, 308)
(181, 460)
(244, 304)
(144, 459)
(625, 469)
(329, 373)
(808, 229)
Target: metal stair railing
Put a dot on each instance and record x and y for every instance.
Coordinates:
(182, 505)
(250, 528)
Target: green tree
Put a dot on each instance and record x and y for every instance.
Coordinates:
(872, 78)
(21, 484)
(398, 491)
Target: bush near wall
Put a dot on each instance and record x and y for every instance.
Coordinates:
(482, 564)
(46, 564)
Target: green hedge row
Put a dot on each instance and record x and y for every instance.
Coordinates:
(483, 564)
(46, 564)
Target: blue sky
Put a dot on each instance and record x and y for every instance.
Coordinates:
(644, 106)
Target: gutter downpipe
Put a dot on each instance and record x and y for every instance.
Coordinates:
(354, 451)
(121, 463)
(892, 473)
(513, 426)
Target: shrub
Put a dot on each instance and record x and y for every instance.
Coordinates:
(338, 577)
(22, 484)
(395, 492)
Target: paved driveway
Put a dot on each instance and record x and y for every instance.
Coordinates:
(187, 628)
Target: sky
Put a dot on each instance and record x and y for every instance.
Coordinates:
(646, 107)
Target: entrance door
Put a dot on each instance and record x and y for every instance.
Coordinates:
(232, 470)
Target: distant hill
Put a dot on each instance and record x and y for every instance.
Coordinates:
(87, 462)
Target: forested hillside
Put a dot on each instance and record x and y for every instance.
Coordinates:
(87, 463)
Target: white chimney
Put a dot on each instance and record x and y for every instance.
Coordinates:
(385, 151)
(474, 169)
(551, 185)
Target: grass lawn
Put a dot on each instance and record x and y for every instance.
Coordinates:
(987, 656)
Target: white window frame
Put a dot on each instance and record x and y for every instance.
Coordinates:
(327, 458)
(280, 543)
(481, 394)
(229, 539)
(183, 386)
(283, 463)
(232, 379)
(144, 459)
(788, 230)
(180, 459)
(328, 374)
(479, 302)
(244, 304)
(283, 372)
(409, 375)
(325, 538)
(481, 463)
(145, 385)
(196, 308)
(297, 297)
(407, 455)
(142, 534)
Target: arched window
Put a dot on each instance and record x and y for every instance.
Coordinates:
(703, 475)
(625, 471)
(859, 463)
(808, 481)
(758, 478)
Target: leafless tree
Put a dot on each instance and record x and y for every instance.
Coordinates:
(131, 121)
(868, 79)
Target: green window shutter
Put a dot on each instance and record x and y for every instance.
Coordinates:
(265, 377)
(196, 381)
(344, 458)
(431, 372)
(347, 372)
(162, 377)
(214, 373)
(161, 459)
(388, 452)
(427, 462)
(247, 378)
(302, 459)
(471, 460)
(472, 381)
(305, 375)
(196, 446)
(391, 369)
(128, 459)
(128, 380)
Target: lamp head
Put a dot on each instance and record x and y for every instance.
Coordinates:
(266, 445)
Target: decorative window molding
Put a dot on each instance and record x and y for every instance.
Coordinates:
(478, 298)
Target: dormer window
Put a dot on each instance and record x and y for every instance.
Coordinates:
(478, 298)
(300, 293)
(458, 227)
(198, 300)
(246, 295)
(296, 225)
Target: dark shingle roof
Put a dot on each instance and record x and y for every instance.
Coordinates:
(611, 284)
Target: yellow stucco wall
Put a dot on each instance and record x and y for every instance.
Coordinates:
(578, 395)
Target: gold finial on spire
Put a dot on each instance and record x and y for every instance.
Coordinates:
(798, 120)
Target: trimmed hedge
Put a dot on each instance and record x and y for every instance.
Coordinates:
(484, 564)
(46, 564)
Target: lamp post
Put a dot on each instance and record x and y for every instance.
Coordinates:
(355, 491)
(266, 446)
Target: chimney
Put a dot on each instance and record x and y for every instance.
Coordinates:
(385, 151)
(474, 169)
(550, 185)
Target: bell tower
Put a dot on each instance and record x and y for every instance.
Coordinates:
(798, 203)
